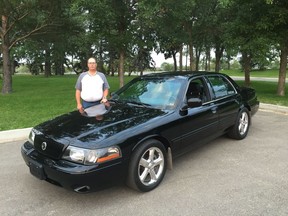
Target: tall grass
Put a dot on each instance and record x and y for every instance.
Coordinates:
(36, 99)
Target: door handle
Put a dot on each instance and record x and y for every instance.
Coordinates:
(214, 110)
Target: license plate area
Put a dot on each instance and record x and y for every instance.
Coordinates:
(36, 169)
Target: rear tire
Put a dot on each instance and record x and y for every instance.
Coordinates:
(240, 129)
(147, 166)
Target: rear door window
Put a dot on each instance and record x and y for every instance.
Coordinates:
(221, 86)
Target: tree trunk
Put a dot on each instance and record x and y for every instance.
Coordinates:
(207, 59)
(181, 59)
(111, 67)
(228, 62)
(198, 53)
(121, 68)
(191, 54)
(282, 70)
(7, 73)
(59, 63)
(47, 70)
(186, 57)
(218, 56)
(247, 67)
(12, 66)
(175, 61)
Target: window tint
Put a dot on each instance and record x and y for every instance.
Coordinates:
(221, 86)
(196, 89)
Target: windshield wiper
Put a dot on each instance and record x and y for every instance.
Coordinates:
(138, 103)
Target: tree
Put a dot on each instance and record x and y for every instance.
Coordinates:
(19, 21)
(170, 24)
(209, 29)
(277, 25)
(110, 23)
(245, 32)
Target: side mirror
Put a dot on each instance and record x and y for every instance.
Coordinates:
(190, 103)
(194, 102)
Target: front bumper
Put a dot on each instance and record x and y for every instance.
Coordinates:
(72, 176)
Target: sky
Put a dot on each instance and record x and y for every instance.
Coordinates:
(159, 59)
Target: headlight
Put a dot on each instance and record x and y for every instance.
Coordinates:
(32, 135)
(89, 157)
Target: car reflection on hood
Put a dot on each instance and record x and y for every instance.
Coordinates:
(97, 111)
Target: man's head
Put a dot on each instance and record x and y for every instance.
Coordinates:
(92, 64)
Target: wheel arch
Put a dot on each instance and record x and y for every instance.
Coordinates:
(247, 106)
(164, 141)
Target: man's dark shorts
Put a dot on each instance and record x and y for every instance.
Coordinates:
(87, 104)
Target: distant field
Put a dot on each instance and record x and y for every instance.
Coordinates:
(254, 73)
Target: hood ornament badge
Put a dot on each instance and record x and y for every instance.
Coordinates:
(43, 146)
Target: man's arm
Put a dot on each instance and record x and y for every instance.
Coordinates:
(105, 94)
(78, 100)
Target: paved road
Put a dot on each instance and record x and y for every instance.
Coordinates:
(270, 79)
(225, 177)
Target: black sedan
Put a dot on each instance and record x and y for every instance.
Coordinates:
(135, 136)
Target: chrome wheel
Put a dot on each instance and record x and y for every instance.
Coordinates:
(151, 166)
(147, 166)
(241, 127)
(243, 123)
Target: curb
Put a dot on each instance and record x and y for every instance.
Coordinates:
(14, 135)
(273, 108)
(22, 134)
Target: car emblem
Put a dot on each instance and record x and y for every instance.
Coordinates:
(44, 145)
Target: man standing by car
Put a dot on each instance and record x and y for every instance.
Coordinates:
(92, 87)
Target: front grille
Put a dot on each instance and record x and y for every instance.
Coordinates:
(49, 147)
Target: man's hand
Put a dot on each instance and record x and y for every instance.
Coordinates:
(104, 100)
(80, 108)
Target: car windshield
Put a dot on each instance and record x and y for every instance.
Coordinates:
(151, 92)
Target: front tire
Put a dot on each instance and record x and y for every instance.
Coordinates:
(240, 129)
(147, 166)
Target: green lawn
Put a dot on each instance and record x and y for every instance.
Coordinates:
(266, 92)
(36, 98)
(254, 73)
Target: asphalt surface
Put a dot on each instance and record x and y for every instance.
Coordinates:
(224, 177)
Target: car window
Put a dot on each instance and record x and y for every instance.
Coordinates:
(197, 89)
(221, 86)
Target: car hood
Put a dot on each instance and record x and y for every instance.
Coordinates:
(97, 124)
